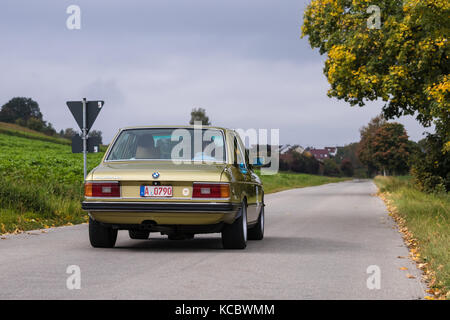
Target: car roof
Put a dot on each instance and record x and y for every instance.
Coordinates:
(174, 126)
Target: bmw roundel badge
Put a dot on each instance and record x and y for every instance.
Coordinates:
(155, 175)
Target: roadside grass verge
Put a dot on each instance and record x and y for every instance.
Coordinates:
(424, 220)
(289, 180)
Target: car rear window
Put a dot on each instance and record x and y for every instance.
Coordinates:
(175, 144)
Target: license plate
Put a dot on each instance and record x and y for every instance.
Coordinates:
(156, 191)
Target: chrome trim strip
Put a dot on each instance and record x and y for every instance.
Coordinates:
(206, 182)
(160, 207)
(102, 181)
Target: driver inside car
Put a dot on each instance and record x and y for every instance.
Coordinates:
(146, 148)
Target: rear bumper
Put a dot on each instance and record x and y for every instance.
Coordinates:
(162, 213)
(159, 207)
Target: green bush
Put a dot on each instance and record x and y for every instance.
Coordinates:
(300, 163)
(330, 168)
(431, 165)
(347, 168)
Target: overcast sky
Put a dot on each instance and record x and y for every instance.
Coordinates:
(153, 61)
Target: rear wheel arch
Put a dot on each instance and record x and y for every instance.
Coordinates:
(243, 202)
(234, 236)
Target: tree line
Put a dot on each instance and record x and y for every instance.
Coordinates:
(384, 149)
(25, 112)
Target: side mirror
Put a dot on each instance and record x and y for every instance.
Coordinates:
(242, 168)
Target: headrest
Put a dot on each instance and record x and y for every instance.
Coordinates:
(146, 141)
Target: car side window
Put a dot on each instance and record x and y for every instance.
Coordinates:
(239, 157)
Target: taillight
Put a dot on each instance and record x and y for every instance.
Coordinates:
(211, 190)
(102, 189)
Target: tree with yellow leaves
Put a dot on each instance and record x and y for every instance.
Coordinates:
(403, 61)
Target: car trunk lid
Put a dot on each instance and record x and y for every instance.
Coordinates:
(133, 175)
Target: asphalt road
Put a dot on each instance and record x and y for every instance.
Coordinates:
(318, 244)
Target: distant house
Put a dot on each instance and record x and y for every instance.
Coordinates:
(289, 149)
(298, 149)
(320, 154)
(331, 151)
(284, 148)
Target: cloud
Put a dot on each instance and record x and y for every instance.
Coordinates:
(152, 62)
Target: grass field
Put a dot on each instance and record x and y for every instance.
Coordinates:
(18, 131)
(41, 180)
(424, 220)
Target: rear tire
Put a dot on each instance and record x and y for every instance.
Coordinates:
(257, 232)
(138, 234)
(234, 236)
(101, 236)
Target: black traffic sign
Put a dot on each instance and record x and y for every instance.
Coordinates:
(92, 110)
(93, 144)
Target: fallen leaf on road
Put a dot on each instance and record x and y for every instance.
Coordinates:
(403, 268)
(3, 238)
(410, 276)
(401, 257)
(429, 298)
(43, 231)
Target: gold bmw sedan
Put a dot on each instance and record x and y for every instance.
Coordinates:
(179, 181)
